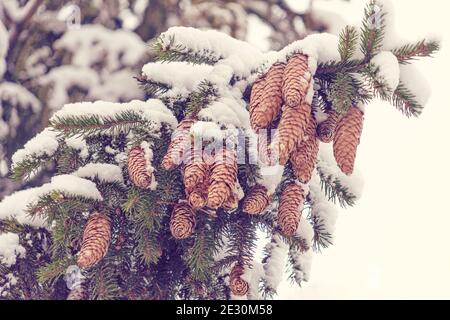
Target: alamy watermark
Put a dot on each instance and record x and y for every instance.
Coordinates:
(71, 15)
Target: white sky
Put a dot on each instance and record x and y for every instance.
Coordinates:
(395, 242)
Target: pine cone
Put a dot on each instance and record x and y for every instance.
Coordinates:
(238, 286)
(304, 156)
(256, 201)
(232, 202)
(257, 92)
(289, 213)
(296, 80)
(138, 169)
(195, 173)
(182, 221)
(198, 198)
(78, 293)
(270, 102)
(327, 129)
(222, 178)
(96, 240)
(178, 146)
(291, 130)
(347, 139)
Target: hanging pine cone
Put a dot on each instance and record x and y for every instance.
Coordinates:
(304, 156)
(182, 221)
(291, 130)
(347, 138)
(198, 198)
(327, 129)
(256, 201)
(178, 146)
(267, 107)
(78, 293)
(222, 178)
(296, 80)
(96, 239)
(195, 173)
(289, 213)
(138, 168)
(257, 92)
(238, 286)
(232, 202)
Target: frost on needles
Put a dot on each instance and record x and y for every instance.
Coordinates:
(146, 200)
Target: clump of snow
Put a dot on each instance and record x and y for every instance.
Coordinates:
(277, 251)
(10, 249)
(71, 186)
(252, 275)
(413, 79)
(179, 76)
(64, 78)
(19, 96)
(227, 111)
(388, 68)
(105, 172)
(302, 263)
(207, 131)
(93, 44)
(4, 44)
(43, 144)
(78, 143)
(305, 231)
(152, 110)
(148, 155)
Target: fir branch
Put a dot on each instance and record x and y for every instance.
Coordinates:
(409, 52)
(335, 190)
(202, 97)
(378, 85)
(341, 93)
(94, 125)
(29, 167)
(178, 52)
(103, 282)
(405, 101)
(328, 70)
(152, 88)
(373, 29)
(52, 271)
(322, 238)
(348, 40)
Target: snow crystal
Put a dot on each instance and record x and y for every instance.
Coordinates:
(10, 249)
(388, 68)
(103, 171)
(152, 110)
(43, 144)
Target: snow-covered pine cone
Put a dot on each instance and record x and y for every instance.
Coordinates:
(178, 146)
(78, 293)
(289, 209)
(96, 240)
(304, 156)
(182, 221)
(296, 80)
(195, 172)
(347, 139)
(327, 129)
(223, 177)
(266, 106)
(138, 170)
(238, 286)
(291, 130)
(256, 200)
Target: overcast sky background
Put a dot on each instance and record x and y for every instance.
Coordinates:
(395, 243)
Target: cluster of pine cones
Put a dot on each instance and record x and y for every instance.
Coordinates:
(279, 100)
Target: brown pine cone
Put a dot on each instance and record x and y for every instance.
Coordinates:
(296, 80)
(138, 170)
(96, 240)
(256, 201)
(304, 156)
(195, 173)
(327, 129)
(347, 139)
(180, 143)
(182, 221)
(198, 198)
(257, 92)
(232, 202)
(270, 101)
(289, 213)
(238, 286)
(222, 178)
(78, 293)
(291, 130)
